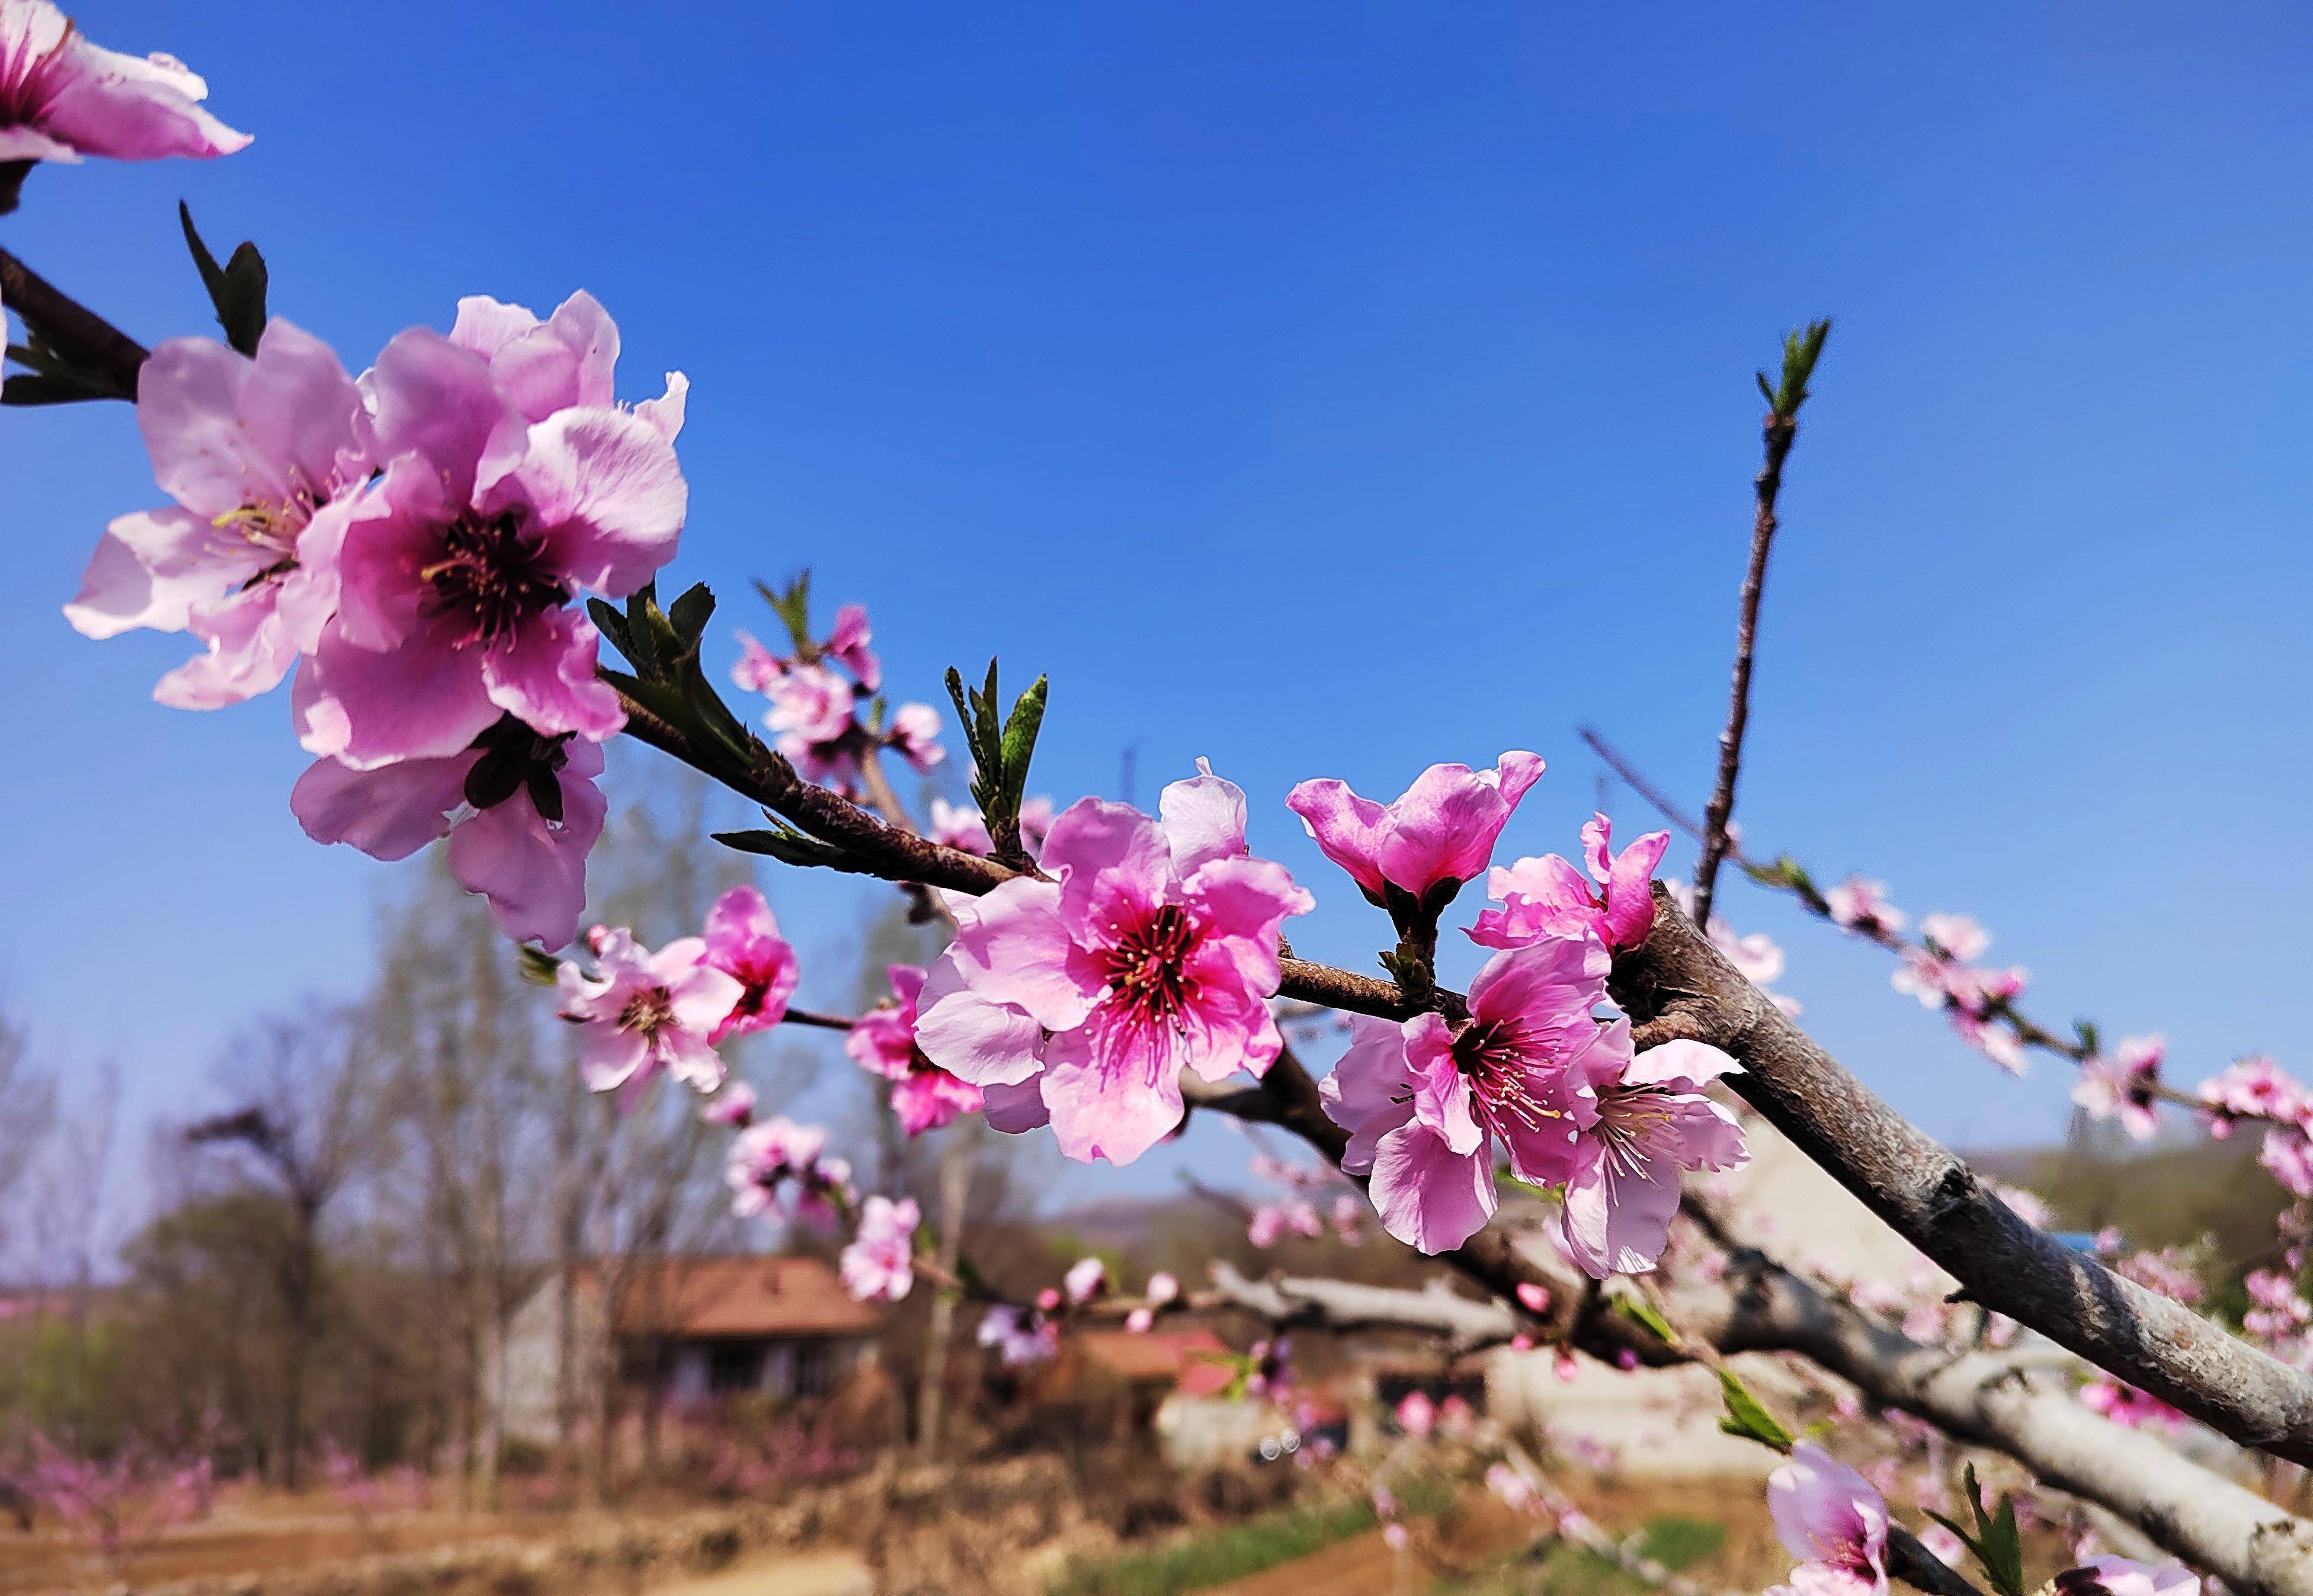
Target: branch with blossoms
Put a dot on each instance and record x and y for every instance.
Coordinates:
(434, 552)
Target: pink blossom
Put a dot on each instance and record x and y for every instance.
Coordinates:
(1140, 1321)
(2254, 1087)
(1047, 1301)
(1019, 1338)
(2124, 1087)
(735, 1106)
(1549, 896)
(880, 1261)
(2276, 1309)
(776, 1154)
(1349, 1220)
(1947, 1547)
(883, 1041)
(1424, 1102)
(2118, 1576)
(265, 457)
(1440, 834)
(1828, 1515)
(743, 942)
(1271, 1221)
(1161, 1288)
(1086, 1278)
(914, 735)
(2126, 1405)
(1532, 1298)
(1859, 904)
(758, 667)
(1514, 1491)
(1037, 824)
(1957, 936)
(1153, 949)
(808, 706)
(62, 96)
(847, 644)
(566, 361)
(2287, 1155)
(647, 1012)
(460, 563)
(1417, 1415)
(520, 811)
(956, 827)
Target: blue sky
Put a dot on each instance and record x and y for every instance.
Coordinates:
(1330, 390)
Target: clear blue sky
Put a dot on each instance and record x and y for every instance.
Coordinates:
(1329, 389)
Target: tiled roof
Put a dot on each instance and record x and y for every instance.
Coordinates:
(735, 1297)
(1153, 1355)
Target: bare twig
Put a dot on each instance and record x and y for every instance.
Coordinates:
(1780, 429)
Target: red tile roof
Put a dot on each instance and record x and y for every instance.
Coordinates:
(736, 1298)
(1183, 1357)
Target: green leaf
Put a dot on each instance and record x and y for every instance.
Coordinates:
(1800, 352)
(237, 289)
(689, 613)
(538, 966)
(1646, 1314)
(611, 625)
(1746, 1416)
(41, 389)
(2003, 1551)
(788, 846)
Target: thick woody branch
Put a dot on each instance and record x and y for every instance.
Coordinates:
(1991, 1400)
(1466, 1323)
(1677, 986)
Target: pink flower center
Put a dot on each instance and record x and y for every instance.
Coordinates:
(1496, 1060)
(1146, 970)
(649, 1011)
(28, 82)
(1635, 1124)
(494, 574)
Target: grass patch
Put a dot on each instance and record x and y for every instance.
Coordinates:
(1216, 1557)
(1673, 1541)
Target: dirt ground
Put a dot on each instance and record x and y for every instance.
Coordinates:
(804, 1573)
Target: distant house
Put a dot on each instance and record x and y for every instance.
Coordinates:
(686, 1330)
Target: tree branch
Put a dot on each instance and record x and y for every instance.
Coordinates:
(1678, 985)
(71, 330)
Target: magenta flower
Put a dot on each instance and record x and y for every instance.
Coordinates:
(1416, 1414)
(1652, 1123)
(1862, 906)
(880, 1262)
(1829, 1515)
(883, 1041)
(1019, 1336)
(2118, 1576)
(2124, 1087)
(264, 458)
(733, 1106)
(566, 361)
(956, 827)
(743, 942)
(520, 811)
(2254, 1087)
(1153, 950)
(847, 645)
(62, 96)
(647, 1012)
(2126, 1405)
(1086, 1278)
(2276, 1309)
(1437, 835)
(778, 1154)
(460, 563)
(1549, 896)
(1425, 1110)
(914, 735)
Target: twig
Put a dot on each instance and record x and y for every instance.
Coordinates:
(1779, 432)
(70, 328)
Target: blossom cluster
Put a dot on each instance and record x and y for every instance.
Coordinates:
(1295, 1214)
(410, 545)
(883, 1041)
(1533, 1074)
(814, 705)
(645, 1014)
